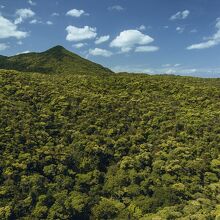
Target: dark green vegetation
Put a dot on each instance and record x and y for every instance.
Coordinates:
(54, 60)
(123, 146)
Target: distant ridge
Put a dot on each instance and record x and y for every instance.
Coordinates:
(56, 60)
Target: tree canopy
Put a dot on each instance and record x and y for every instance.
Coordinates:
(122, 146)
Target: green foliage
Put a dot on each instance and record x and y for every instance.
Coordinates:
(107, 209)
(123, 146)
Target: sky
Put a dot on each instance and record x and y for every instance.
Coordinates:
(145, 36)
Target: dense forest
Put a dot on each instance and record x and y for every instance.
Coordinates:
(113, 146)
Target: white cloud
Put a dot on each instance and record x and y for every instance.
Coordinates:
(180, 71)
(32, 3)
(23, 14)
(171, 65)
(100, 52)
(146, 49)
(76, 13)
(116, 8)
(142, 28)
(180, 30)
(55, 14)
(180, 15)
(2, 6)
(49, 23)
(35, 21)
(24, 52)
(204, 45)
(79, 45)
(185, 14)
(212, 41)
(102, 39)
(79, 34)
(128, 39)
(170, 69)
(3, 46)
(8, 29)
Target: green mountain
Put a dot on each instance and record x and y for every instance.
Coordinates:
(55, 60)
(3, 61)
(112, 146)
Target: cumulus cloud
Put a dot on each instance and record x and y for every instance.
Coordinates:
(76, 13)
(49, 23)
(128, 39)
(102, 39)
(146, 49)
(55, 14)
(9, 29)
(100, 52)
(35, 21)
(212, 41)
(32, 3)
(180, 30)
(180, 15)
(79, 45)
(3, 46)
(23, 14)
(116, 8)
(79, 34)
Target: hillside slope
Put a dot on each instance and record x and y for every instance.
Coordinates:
(55, 60)
(116, 147)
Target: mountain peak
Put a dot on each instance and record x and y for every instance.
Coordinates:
(54, 60)
(58, 52)
(57, 48)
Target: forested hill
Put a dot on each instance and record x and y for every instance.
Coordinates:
(55, 60)
(116, 147)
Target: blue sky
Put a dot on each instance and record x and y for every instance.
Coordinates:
(151, 36)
